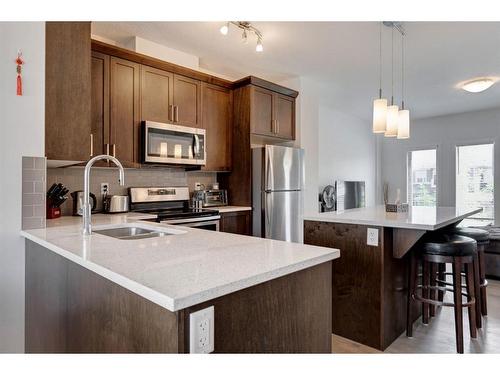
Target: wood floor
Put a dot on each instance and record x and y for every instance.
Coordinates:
(439, 335)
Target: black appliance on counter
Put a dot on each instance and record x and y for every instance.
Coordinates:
(171, 206)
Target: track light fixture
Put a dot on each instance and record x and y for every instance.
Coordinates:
(247, 28)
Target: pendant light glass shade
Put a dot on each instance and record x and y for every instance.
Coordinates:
(404, 124)
(392, 121)
(379, 115)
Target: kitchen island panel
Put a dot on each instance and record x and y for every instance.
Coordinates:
(368, 283)
(71, 309)
(291, 314)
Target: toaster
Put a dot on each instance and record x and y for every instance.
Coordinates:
(211, 198)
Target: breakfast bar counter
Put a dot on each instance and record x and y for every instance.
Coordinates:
(370, 279)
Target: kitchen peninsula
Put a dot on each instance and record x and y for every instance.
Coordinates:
(370, 279)
(102, 294)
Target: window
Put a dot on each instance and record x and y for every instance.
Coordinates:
(475, 182)
(422, 178)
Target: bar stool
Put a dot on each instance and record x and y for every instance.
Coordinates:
(482, 238)
(441, 248)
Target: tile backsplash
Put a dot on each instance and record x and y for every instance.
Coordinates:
(72, 178)
(33, 199)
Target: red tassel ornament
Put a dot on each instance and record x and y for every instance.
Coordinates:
(19, 63)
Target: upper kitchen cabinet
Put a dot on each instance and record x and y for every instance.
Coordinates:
(68, 132)
(170, 98)
(156, 95)
(284, 116)
(217, 121)
(262, 111)
(100, 102)
(187, 101)
(124, 110)
(272, 108)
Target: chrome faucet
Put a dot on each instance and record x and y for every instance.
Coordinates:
(86, 207)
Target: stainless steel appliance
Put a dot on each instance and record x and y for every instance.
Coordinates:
(349, 194)
(211, 198)
(170, 205)
(77, 197)
(278, 181)
(115, 204)
(172, 144)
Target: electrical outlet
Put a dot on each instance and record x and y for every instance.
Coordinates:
(372, 237)
(104, 188)
(201, 331)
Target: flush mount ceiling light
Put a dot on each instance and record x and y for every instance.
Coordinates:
(247, 28)
(477, 85)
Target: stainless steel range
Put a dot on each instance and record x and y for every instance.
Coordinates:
(171, 206)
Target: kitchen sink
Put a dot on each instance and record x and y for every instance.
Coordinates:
(135, 232)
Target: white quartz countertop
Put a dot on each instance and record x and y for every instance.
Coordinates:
(423, 218)
(181, 270)
(225, 209)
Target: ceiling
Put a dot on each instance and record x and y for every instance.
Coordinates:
(344, 58)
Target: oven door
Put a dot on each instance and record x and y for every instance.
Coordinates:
(207, 223)
(172, 144)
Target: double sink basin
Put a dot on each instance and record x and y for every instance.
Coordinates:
(135, 231)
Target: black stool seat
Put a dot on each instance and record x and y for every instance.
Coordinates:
(480, 235)
(448, 244)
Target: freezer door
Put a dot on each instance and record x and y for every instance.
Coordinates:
(282, 215)
(283, 168)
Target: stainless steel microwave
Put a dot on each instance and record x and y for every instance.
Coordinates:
(172, 144)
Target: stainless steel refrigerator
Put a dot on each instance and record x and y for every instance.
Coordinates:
(278, 183)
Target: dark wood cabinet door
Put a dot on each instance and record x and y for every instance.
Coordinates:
(156, 95)
(238, 222)
(284, 116)
(67, 91)
(100, 102)
(261, 107)
(125, 116)
(187, 101)
(217, 121)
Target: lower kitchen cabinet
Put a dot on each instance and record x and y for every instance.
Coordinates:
(238, 222)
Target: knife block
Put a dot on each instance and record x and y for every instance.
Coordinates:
(53, 212)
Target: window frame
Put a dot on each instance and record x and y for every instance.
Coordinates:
(478, 142)
(408, 177)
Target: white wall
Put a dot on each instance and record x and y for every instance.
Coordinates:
(22, 133)
(347, 150)
(445, 132)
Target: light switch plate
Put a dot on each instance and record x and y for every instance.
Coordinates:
(372, 237)
(201, 331)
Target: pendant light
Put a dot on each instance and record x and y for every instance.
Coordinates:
(404, 114)
(392, 110)
(380, 104)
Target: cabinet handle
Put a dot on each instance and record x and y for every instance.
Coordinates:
(277, 126)
(107, 148)
(171, 112)
(91, 144)
(176, 108)
(114, 150)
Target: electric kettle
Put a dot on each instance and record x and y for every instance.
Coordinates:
(78, 202)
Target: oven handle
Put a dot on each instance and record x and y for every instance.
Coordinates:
(205, 219)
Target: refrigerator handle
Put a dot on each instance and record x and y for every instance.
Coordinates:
(269, 178)
(267, 209)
